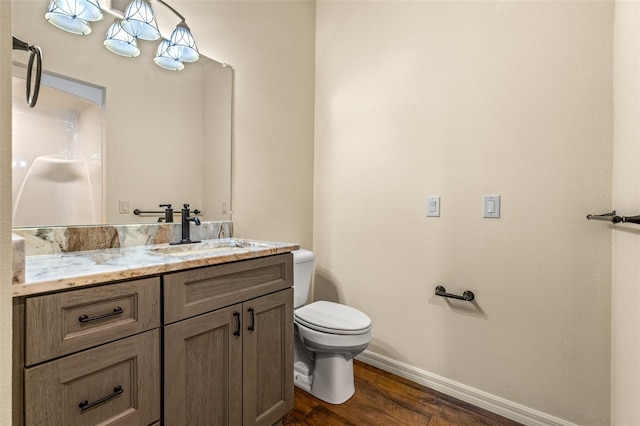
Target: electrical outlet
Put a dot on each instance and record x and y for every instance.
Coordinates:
(123, 206)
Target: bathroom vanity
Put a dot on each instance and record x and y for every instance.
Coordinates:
(167, 336)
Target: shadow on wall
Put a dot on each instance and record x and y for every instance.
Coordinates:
(325, 287)
(381, 348)
(472, 309)
(625, 229)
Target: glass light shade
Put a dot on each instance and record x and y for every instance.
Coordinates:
(165, 60)
(140, 21)
(121, 42)
(87, 10)
(66, 20)
(182, 45)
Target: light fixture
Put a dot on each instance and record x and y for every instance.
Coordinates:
(63, 17)
(182, 45)
(164, 59)
(87, 10)
(138, 22)
(121, 42)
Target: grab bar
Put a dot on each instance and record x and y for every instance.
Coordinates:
(614, 218)
(467, 295)
(139, 212)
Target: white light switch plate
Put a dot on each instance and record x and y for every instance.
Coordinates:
(491, 206)
(433, 206)
(123, 206)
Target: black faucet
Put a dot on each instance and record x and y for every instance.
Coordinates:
(186, 223)
(168, 214)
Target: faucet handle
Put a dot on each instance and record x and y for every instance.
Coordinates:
(168, 213)
(188, 211)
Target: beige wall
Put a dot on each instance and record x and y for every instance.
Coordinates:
(5, 214)
(462, 99)
(270, 45)
(625, 370)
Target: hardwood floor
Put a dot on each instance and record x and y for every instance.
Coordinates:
(382, 398)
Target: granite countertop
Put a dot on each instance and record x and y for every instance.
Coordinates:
(60, 271)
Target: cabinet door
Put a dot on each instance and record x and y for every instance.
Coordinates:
(114, 384)
(203, 370)
(268, 358)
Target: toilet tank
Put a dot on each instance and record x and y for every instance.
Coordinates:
(303, 261)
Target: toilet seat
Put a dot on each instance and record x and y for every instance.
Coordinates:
(333, 318)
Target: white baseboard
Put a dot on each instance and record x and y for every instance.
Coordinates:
(489, 402)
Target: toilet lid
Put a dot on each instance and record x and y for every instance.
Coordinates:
(332, 318)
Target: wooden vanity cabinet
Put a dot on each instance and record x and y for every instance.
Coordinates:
(88, 356)
(228, 357)
(221, 353)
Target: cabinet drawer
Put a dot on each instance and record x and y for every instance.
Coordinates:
(114, 384)
(63, 323)
(196, 291)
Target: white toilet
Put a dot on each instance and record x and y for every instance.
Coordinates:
(327, 337)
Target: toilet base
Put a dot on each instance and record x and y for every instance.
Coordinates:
(332, 378)
(301, 376)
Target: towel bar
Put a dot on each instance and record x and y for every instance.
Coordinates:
(614, 218)
(467, 295)
(139, 212)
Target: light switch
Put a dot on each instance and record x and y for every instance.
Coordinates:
(491, 206)
(433, 206)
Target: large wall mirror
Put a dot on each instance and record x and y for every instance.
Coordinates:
(163, 136)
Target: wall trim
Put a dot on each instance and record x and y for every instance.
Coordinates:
(487, 401)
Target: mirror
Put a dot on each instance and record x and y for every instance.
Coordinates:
(166, 135)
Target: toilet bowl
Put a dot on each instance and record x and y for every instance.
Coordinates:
(327, 337)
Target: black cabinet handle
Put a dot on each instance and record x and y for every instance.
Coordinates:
(85, 405)
(237, 315)
(253, 320)
(86, 318)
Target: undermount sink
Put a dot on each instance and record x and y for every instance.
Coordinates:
(224, 245)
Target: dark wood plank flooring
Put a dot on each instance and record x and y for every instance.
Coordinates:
(382, 398)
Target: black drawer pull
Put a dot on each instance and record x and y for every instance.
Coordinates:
(237, 315)
(86, 318)
(85, 405)
(253, 320)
